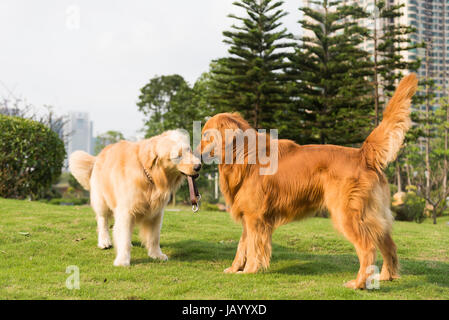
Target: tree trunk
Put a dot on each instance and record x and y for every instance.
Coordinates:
(216, 184)
(376, 81)
(407, 171)
(445, 163)
(427, 160)
(398, 174)
(427, 156)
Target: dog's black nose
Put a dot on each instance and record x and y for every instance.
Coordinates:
(197, 167)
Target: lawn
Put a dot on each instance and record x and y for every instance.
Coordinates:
(310, 259)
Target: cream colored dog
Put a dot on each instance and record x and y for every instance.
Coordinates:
(133, 182)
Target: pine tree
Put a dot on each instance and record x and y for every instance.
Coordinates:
(390, 41)
(250, 80)
(429, 125)
(332, 94)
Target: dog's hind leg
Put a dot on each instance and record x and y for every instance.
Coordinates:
(390, 267)
(258, 244)
(102, 213)
(367, 258)
(386, 245)
(361, 232)
(240, 257)
(150, 230)
(122, 232)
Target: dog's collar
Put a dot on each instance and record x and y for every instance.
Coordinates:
(150, 179)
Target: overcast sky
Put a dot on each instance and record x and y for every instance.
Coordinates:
(95, 55)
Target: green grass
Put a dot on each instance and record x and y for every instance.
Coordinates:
(310, 259)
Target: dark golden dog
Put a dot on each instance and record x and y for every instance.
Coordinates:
(349, 182)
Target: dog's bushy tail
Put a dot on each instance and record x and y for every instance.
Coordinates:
(383, 144)
(80, 165)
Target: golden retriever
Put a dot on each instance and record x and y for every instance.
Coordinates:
(348, 182)
(133, 182)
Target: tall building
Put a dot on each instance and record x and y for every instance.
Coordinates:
(431, 20)
(78, 130)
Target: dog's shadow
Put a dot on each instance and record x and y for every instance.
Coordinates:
(304, 263)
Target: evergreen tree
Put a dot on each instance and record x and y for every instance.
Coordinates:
(250, 80)
(390, 41)
(332, 99)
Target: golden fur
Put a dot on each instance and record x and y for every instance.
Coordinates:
(120, 187)
(349, 182)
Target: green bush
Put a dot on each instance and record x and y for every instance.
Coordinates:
(209, 206)
(413, 207)
(51, 193)
(31, 158)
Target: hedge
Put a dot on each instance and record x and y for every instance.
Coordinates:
(31, 158)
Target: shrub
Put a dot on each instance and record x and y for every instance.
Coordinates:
(412, 208)
(209, 206)
(31, 158)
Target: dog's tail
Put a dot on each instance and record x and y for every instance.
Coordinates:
(80, 165)
(383, 144)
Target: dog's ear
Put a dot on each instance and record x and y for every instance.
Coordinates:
(147, 153)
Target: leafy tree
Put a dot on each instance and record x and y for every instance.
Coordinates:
(107, 138)
(434, 125)
(204, 94)
(332, 100)
(425, 158)
(443, 112)
(167, 102)
(250, 79)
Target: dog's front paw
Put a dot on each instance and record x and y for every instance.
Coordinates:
(158, 256)
(121, 262)
(104, 243)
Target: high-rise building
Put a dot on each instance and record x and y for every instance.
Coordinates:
(78, 131)
(431, 20)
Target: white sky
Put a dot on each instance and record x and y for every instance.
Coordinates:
(99, 65)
